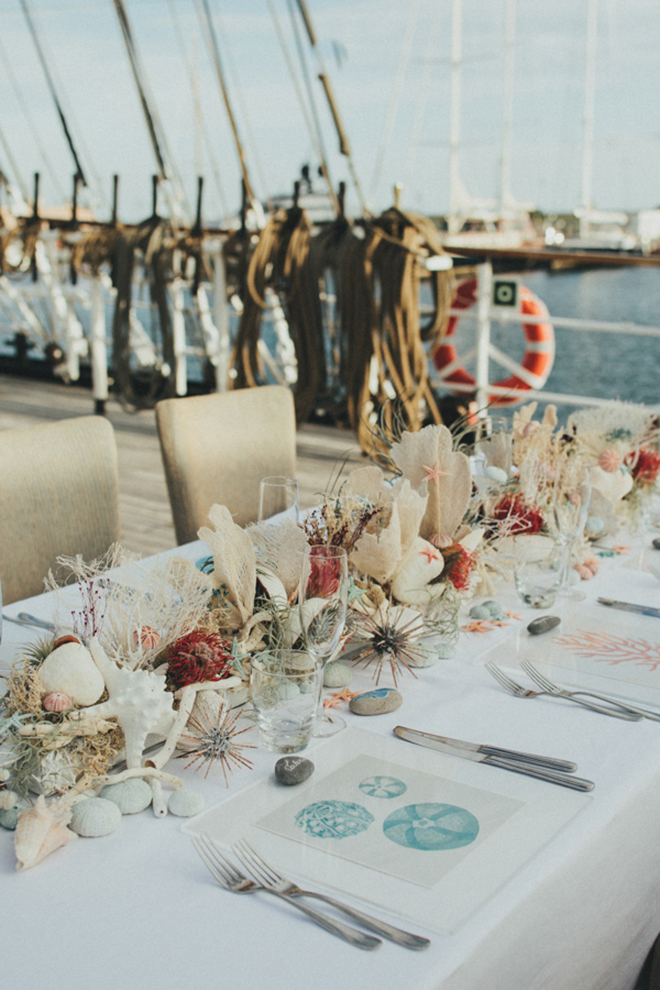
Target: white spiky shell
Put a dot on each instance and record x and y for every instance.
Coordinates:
(138, 699)
(41, 830)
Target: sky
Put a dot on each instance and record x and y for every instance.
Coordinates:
(389, 64)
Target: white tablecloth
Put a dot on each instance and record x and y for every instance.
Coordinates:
(138, 909)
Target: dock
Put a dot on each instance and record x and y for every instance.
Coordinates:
(325, 455)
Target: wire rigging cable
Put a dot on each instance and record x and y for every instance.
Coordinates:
(51, 86)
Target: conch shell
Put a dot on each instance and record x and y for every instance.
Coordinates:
(41, 830)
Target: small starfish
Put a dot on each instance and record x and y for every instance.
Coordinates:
(498, 622)
(431, 554)
(479, 626)
(620, 548)
(334, 700)
(512, 615)
(434, 473)
(354, 593)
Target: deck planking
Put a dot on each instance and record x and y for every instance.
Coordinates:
(146, 519)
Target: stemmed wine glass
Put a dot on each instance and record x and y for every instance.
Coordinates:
(570, 503)
(323, 603)
(278, 496)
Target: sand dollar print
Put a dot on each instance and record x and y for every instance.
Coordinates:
(333, 819)
(431, 826)
(383, 787)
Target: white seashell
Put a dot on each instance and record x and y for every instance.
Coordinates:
(40, 830)
(186, 803)
(614, 485)
(420, 565)
(131, 796)
(95, 817)
(496, 474)
(71, 670)
(138, 699)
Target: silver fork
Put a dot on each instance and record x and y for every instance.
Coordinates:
(521, 692)
(549, 685)
(226, 874)
(261, 871)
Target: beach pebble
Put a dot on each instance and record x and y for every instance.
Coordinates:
(291, 770)
(494, 608)
(9, 817)
(131, 796)
(377, 702)
(543, 624)
(426, 656)
(480, 612)
(337, 674)
(95, 817)
(446, 651)
(656, 543)
(185, 803)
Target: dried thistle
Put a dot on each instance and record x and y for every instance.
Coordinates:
(207, 740)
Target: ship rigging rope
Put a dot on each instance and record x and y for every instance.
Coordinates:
(51, 87)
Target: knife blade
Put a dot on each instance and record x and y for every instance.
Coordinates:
(542, 767)
(631, 607)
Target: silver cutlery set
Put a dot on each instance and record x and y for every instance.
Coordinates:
(254, 875)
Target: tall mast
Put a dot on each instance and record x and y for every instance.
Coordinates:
(507, 116)
(588, 118)
(453, 222)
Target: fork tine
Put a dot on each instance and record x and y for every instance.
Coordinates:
(244, 851)
(537, 676)
(506, 682)
(252, 868)
(221, 863)
(209, 864)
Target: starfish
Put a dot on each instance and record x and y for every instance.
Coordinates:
(620, 548)
(434, 473)
(479, 626)
(512, 615)
(354, 593)
(334, 700)
(497, 622)
(431, 554)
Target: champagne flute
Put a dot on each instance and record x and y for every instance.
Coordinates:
(570, 503)
(323, 604)
(278, 496)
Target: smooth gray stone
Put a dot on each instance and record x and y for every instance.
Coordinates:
(656, 543)
(377, 702)
(291, 770)
(543, 624)
(337, 674)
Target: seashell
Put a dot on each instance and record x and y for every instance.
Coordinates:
(71, 669)
(440, 541)
(592, 564)
(41, 830)
(610, 461)
(56, 701)
(420, 565)
(186, 803)
(614, 484)
(9, 817)
(131, 796)
(95, 817)
(594, 525)
(585, 572)
(147, 637)
(61, 640)
(530, 428)
(138, 699)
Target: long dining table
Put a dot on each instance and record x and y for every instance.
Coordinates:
(578, 907)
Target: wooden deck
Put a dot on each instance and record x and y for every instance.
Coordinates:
(146, 520)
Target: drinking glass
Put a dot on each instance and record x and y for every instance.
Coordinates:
(323, 603)
(570, 504)
(537, 580)
(492, 448)
(278, 496)
(285, 687)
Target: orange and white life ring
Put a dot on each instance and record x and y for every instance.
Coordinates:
(535, 366)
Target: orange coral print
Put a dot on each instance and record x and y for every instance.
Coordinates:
(606, 648)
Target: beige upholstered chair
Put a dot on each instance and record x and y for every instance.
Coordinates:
(216, 448)
(58, 495)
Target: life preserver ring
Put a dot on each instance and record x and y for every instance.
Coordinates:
(535, 366)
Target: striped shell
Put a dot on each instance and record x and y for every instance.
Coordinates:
(147, 637)
(56, 701)
(610, 461)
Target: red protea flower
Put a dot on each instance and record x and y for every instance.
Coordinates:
(198, 656)
(522, 518)
(458, 565)
(644, 465)
(325, 572)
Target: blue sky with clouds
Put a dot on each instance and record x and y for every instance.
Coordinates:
(385, 45)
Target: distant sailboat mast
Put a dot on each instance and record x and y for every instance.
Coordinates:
(588, 120)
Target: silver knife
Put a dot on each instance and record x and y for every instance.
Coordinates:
(630, 607)
(542, 767)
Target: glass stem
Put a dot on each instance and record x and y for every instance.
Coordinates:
(566, 547)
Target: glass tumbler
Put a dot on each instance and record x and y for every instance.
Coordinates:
(285, 686)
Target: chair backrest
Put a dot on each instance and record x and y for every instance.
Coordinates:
(59, 495)
(216, 448)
